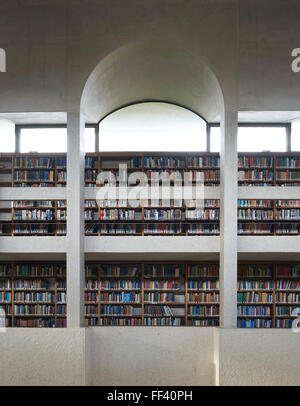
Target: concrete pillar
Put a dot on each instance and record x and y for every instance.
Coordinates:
(228, 232)
(97, 138)
(75, 220)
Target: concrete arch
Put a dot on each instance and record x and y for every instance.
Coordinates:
(152, 70)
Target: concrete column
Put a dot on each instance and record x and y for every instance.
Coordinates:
(97, 138)
(228, 232)
(17, 138)
(75, 220)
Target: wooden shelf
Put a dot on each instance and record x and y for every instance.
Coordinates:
(146, 300)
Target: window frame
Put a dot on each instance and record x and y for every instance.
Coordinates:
(20, 127)
(287, 127)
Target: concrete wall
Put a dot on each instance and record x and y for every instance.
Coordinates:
(257, 357)
(150, 356)
(30, 356)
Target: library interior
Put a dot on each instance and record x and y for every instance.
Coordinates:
(103, 287)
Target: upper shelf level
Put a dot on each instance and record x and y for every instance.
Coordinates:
(269, 169)
(33, 170)
(50, 170)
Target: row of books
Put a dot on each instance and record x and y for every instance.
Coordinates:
(288, 214)
(278, 229)
(203, 310)
(255, 214)
(254, 174)
(39, 270)
(23, 283)
(151, 322)
(5, 297)
(288, 162)
(34, 297)
(254, 311)
(163, 297)
(287, 176)
(260, 270)
(203, 161)
(255, 162)
(164, 284)
(203, 285)
(285, 284)
(38, 203)
(36, 309)
(151, 214)
(35, 228)
(254, 203)
(37, 184)
(286, 310)
(25, 176)
(159, 161)
(255, 285)
(5, 284)
(254, 323)
(155, 203)
(287, 297)
(263, 214)
(32, 162)
(204, 297)
(125, 310)
(47, 322)
(93, 284)
(163, 162)
(207, 229)
(122, 297)
(35, 214)
(254, 297)
(264, 323)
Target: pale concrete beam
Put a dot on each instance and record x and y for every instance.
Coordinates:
(152, 244)
(33, 193)
(228, 219)
(75, 220)
(35, 244)
(211, 192)
(268, 192)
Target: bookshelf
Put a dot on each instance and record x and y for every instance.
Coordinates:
(161, 219)
(268, 217)
(153, 217)
(267, 294)
(152, 164)
(269, 169)
(39, 217)
(33, 170)
(33, 294)
(152, 294)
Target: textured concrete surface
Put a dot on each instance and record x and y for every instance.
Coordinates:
(150, 356)
(258, 357)
(30, 356)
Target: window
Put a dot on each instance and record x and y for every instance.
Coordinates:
(152, 127)
(7, 136)
(259, 139)
(52, 140)
(43, 140)
(215, 139)
(295, 136)
(254, 139)
(89, 139)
